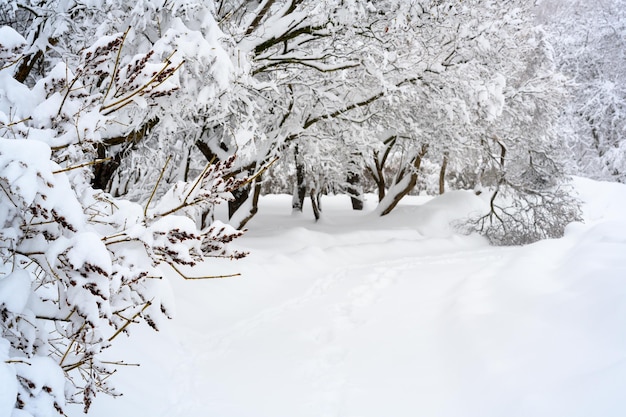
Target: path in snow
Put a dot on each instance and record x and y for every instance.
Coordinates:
(350, 318)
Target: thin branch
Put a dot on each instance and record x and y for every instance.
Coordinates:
(204, 277)
(120, 363)
(353, 106)
(259, 173)
(304, 62)
(116, 66)
(53, 318)
(69, 89)
(118, 104)
(86, 164)
(156, 185)
(69, 347)
(8, 195)
(17, 361)
(16, 122)
(129, 321)
(287, 36)
(199, 179)
(259, 16)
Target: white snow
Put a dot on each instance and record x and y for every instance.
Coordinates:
(7, 381)
(23, 177)
(15, 290)
(87, 248)
(10, 39)
(47, 381)
(359, 316)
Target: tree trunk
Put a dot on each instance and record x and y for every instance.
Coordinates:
(378, 176)
(27, 65)
(442, 174)
(355, 190)
(402, 186)
(240, 196)
(299, 192)
(245, 205)
(381, 185)
(104, 172)
(315, 203)
(378, 173)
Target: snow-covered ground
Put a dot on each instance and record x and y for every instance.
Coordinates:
(358, 316)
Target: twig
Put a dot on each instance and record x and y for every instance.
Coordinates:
(69, 88)
(199, 179)
(128, 322)
(116, 66)
(17, 122)
(118, 104)
(205, 277)
(8, 195)
(184, 202)
(69, 347)
(86, 164)
(17, 361)
(145, 210)
(10, 64)
(120, 363)
(259, 173)
(52, 318)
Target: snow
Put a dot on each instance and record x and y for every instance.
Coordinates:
(10, 43)
(20, 168)
(87, 248)
(42, 374)
(10, 38)
(7, 381)
(47, 381)
(398, 316)
(15, 290)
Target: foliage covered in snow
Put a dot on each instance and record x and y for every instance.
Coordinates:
(590, 47)
(78, 266)
(410, 84)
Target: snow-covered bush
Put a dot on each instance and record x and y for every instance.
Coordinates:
(529, 199)
(519, 215)
(78, 266)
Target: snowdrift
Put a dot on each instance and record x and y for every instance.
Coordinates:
(357, 316)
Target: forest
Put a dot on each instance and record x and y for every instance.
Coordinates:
(139, 139)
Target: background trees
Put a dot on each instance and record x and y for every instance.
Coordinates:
(337, 90)
(467, 86)
(589, 42)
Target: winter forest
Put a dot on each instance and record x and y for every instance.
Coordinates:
(345, 202)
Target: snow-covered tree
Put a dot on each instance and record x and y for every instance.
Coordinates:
(293, 48)
(590, 42)
(333, 88)
(449, 81)
(170, 55)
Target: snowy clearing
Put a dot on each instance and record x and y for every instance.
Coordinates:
(357, 316)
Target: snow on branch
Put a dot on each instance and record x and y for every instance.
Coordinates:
(79, 267)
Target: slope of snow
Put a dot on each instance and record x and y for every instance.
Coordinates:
(358, 316)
